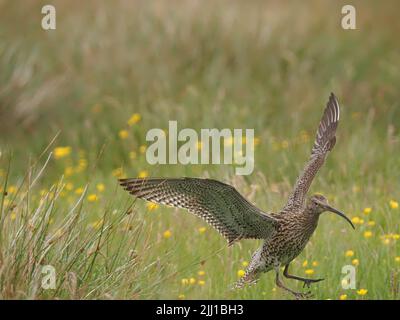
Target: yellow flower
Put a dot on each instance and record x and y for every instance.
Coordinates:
(181, 296)
(11, 190)
(100, 187)
(367, 210)
(201, 282)
(69, 186)
(143, 174)
(393, 204)
(68, 171)
(305, 263)
(135, 118)
(82, 164)
(245, 263)
(202, 230)
(123, 134)
(152, 206)
(357, 220)
(132, 155)
(396, 236)
(61, 152)
(386, 241)
(355, 262)
(167, 234)
(13, 216)
(315, 264)
(367, 234)
(118, 172)
(142, 149)
(349, 253)
(371, 223)
(192, 280)
(362, 292)
(309, 271)
(397, 259)
(185, 281)
(92, 197)
(241, 273)
(228, 141)
(343, 297)
(285, 144)
(79, 191)
(201, 273)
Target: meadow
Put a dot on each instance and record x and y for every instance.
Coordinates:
(76, 103)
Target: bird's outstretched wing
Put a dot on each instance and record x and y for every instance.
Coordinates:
(324, 142)
(217, 203)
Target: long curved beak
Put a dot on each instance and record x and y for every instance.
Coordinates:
(331, 209)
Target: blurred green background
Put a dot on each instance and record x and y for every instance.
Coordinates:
(267, 65)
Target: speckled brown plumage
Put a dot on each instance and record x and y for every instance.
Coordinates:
(285, 233)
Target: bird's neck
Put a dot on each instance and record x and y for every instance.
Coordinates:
(309, 220)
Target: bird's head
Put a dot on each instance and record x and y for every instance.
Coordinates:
(317, 204)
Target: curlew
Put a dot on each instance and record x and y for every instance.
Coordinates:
(285, 234)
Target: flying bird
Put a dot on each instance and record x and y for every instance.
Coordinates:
(285, 233)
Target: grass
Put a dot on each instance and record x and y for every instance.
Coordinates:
(265, 65)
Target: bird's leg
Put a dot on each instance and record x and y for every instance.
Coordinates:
(253, 271)
(298, 295)
(307, 282)
(250, 277)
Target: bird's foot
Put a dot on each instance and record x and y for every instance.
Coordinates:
(303, 295)
(243, 283)
(237, 285)
(308, 282)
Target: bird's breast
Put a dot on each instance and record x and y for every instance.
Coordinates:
(289, 240)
